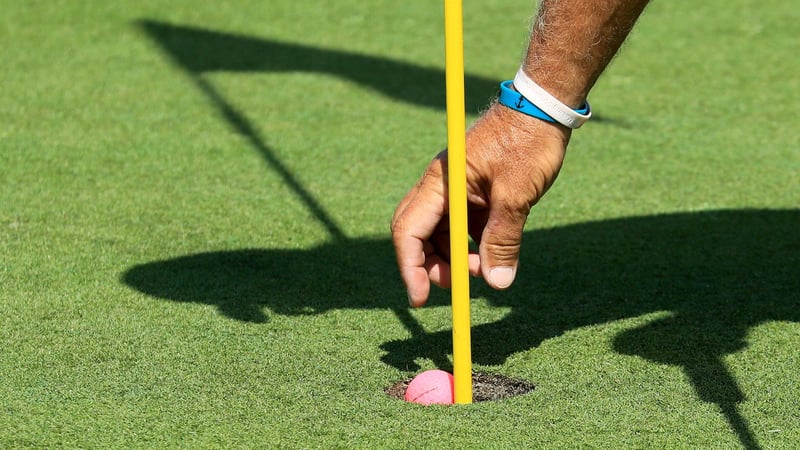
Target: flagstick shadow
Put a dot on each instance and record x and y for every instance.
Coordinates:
(242, 125)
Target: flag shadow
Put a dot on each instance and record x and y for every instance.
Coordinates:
(198, 50)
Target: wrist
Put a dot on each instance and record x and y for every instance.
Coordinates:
(523, 128)
(506, 145)
(528, 98)
(568, 89)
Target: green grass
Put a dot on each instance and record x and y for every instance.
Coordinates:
(194, 204)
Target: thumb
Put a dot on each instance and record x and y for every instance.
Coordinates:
(500, 243)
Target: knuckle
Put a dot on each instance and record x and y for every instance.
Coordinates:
(503, 249)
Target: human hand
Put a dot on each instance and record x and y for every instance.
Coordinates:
(512, 159)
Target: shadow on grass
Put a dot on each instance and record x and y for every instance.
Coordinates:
(199, 50)
(717, 273)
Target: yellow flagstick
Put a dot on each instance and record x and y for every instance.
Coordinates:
(457, 193)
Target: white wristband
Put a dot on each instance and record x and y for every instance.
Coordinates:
(562, 113)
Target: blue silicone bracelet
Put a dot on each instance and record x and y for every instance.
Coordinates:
(512, 99)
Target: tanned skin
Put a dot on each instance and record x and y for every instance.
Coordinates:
(512, 158)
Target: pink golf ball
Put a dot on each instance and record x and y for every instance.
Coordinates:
(431, 387)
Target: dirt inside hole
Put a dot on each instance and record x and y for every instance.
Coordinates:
(485, 387)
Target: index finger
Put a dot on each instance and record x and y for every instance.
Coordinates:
(412, 227)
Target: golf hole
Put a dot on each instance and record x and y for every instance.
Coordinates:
(485, 387)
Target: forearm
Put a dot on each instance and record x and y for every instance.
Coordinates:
(573, 41)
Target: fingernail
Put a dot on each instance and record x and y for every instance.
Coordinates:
(410, 302)
(501, 277)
